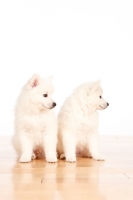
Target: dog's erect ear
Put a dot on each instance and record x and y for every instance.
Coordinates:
(95, 86)
(50, 78)
(35, 80)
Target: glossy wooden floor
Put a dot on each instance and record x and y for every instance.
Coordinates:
(84, 180)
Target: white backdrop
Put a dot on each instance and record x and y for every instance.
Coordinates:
(76, 41)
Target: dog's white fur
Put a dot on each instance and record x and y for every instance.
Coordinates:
(35, 121)
(78, 122)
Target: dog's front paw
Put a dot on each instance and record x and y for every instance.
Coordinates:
(98, 157)
(33, 157)
(51, 159)
(25, 159)
(71, 158)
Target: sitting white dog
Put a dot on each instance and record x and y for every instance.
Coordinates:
(35, 121)
(78, 123)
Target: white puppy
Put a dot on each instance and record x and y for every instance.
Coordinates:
(35, 121)
(78, 122)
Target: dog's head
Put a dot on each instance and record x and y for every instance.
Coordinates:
(40, 92)
(95, 96)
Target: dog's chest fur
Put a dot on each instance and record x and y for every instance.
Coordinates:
(35, 123)
(88, 125)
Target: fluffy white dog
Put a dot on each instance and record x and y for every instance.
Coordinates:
(78, 122)
(35, 121)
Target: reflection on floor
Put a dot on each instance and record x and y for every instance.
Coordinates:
(86, 179)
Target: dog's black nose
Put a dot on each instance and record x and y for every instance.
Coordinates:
(107, 104)
(54, 104)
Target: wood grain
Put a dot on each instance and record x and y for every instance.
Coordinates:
(86, 179)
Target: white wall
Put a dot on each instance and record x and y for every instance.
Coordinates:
(76, 41)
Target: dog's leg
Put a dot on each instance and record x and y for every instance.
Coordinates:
(93, 147)
(50, 143)
(26, 149)
(69, 144)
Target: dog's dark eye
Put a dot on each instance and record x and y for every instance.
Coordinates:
(45, 95)
(100, 97)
